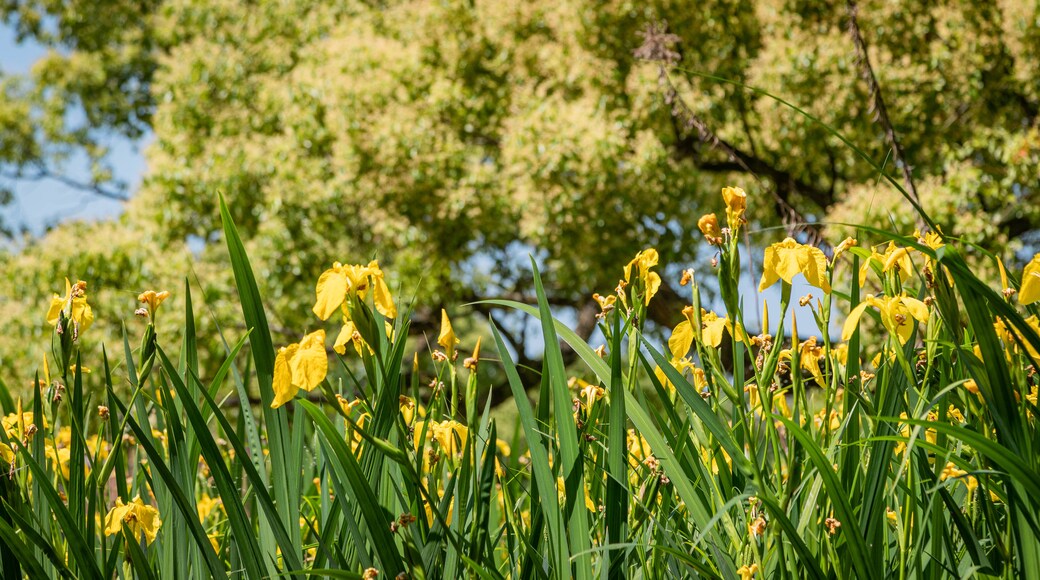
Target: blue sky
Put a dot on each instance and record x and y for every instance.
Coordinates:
(38, 204)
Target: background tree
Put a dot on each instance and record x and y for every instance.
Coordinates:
(450, 139)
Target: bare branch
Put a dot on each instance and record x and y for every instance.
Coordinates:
(877, 102)
(692, 131)
(40, 172)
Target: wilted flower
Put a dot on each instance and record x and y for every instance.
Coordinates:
(757, 527)
(606, 303)
(471, 362)
(407, 407)
(709, 226)
(832, 525)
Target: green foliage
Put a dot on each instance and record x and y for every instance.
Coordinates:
(445, 138)
(660, 463)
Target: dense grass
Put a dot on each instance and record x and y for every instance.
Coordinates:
(908, 452)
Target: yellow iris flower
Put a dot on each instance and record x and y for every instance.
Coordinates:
(747, 572)
(1009, 333)
(73, 304)
(153, 299)
(138, 517)
(1030, 291)
(736, 205)
(341, 282)
(843, 247)
(349, 333)
(683, 335)
(562, 495)
(894, 258)
(447, 338)
(301, 365)
(931, 239)
(786, 259)
(445, 433)
(651, 280)
(896, 314)
(809, 354)
(588, 392)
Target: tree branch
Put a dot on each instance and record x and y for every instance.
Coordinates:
(40, 173)
(692, 132)
(877, 102)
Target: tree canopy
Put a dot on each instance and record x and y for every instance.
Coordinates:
(450, 139)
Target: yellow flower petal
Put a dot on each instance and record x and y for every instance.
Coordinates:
(653, 284)
(736, 205)
(284, 390)
(384, 301)
(6, 453)
(136, 516)
(853, 319)
(786, 259)
(1030, 291)
(310, 363)
(57, 303)
(682, 339)
(916, 308)
(713, 326)
(709, 226)
(445, 434)
(813, 265)
(447, 338)
(82, 314)
(344, 336)
(153, 299)
(330, 291)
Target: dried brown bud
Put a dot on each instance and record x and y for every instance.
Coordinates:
(832, 525)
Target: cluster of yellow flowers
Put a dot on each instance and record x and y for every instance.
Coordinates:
(304, 364)
(898, 312)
